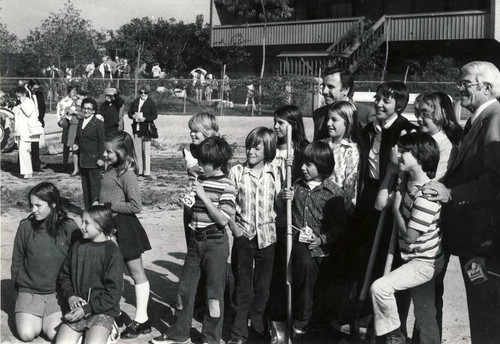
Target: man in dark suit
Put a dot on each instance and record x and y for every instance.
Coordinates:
(36, 95)
(470, 193)
(143, 112)
(338, 84)
(90, 143)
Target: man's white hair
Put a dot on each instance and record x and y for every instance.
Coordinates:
(485, 72)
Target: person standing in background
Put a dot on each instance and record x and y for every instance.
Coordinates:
(142, 111)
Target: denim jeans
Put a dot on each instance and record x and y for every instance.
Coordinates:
(305, 272)
(416, 275)
(244, 254)
(209, 256)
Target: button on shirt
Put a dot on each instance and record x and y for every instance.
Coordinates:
(322, 209)
(374, 155)
(256, 201)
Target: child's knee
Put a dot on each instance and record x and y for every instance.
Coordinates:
(214, 308)
(27, 334)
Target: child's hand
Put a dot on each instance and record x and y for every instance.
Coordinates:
(316, 242)
(75, 302)
(289, 161)
(75, 147)
(235, 229)
(287, 194)
(100, 163)
(75, 315)
(396, 201)
(99, 117)
(393, 168)
(198, 189)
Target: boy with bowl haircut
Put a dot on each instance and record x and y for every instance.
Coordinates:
(319, 217)
(258, 185)
(208, 246)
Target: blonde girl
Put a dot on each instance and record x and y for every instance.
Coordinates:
(436, 117)
(342, 126)
(121, 194)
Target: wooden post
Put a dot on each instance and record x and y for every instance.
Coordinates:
(289, 242)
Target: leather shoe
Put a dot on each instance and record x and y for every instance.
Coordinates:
(135, 328)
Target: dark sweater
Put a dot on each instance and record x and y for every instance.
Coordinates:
(98, 268)
(111, 113)
(37, 257)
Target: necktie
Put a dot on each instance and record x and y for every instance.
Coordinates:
(468, 125)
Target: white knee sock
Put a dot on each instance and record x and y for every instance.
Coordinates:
(141, 299)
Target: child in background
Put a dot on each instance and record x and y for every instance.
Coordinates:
(208, 246)
(40, 247)
(121, 194)
(417, 222)
(91, 281)
(319, 218)
(284, 116)
(258, 184)
(436, 117)
(342, 125)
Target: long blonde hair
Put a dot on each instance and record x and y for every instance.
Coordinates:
(123, 146)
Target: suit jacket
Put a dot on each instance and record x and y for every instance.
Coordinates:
(150, 114)
(390, 138)
(90, 141)
(470, 222)
(365, 115)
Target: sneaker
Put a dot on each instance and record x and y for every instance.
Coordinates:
(299, 330)
(236, 341)
(164, 339)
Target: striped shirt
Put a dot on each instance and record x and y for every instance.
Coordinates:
(422, 216)
(220, 190)
(256, 202)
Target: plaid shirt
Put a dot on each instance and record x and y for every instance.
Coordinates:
(256, 202)
(322, 209)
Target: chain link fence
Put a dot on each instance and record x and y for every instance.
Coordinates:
(245, 96)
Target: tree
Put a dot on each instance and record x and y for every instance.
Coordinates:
(64, 39)
(10, 51)
(258, 11)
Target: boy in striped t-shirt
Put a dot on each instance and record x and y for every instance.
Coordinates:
(417, 222)
(208, 246)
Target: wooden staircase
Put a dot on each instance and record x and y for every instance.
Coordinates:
(358, 44)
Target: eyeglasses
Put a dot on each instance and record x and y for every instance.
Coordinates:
(144, 92)
(465, 84)
(88, 109)
(423, 114)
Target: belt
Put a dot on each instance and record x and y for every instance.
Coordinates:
(210, 232)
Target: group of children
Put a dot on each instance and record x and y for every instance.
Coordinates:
(339, 186)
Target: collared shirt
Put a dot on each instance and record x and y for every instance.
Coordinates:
(345, 173)
(256, 202)
(322, 209)
(86, 121)
(141, 103)
(374, 155)
(481, 108)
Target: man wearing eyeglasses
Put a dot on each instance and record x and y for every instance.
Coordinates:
(143, 112)
(470, 194)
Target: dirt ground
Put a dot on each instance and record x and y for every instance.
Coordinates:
(162, 218)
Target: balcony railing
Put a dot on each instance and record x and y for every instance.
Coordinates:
(283, 33)
(438, 26)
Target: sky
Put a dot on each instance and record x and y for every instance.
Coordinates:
(22, 15)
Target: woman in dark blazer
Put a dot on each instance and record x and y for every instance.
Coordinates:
(90, 144)
(142, 111)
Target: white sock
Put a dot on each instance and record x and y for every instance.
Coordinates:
(141, 299)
